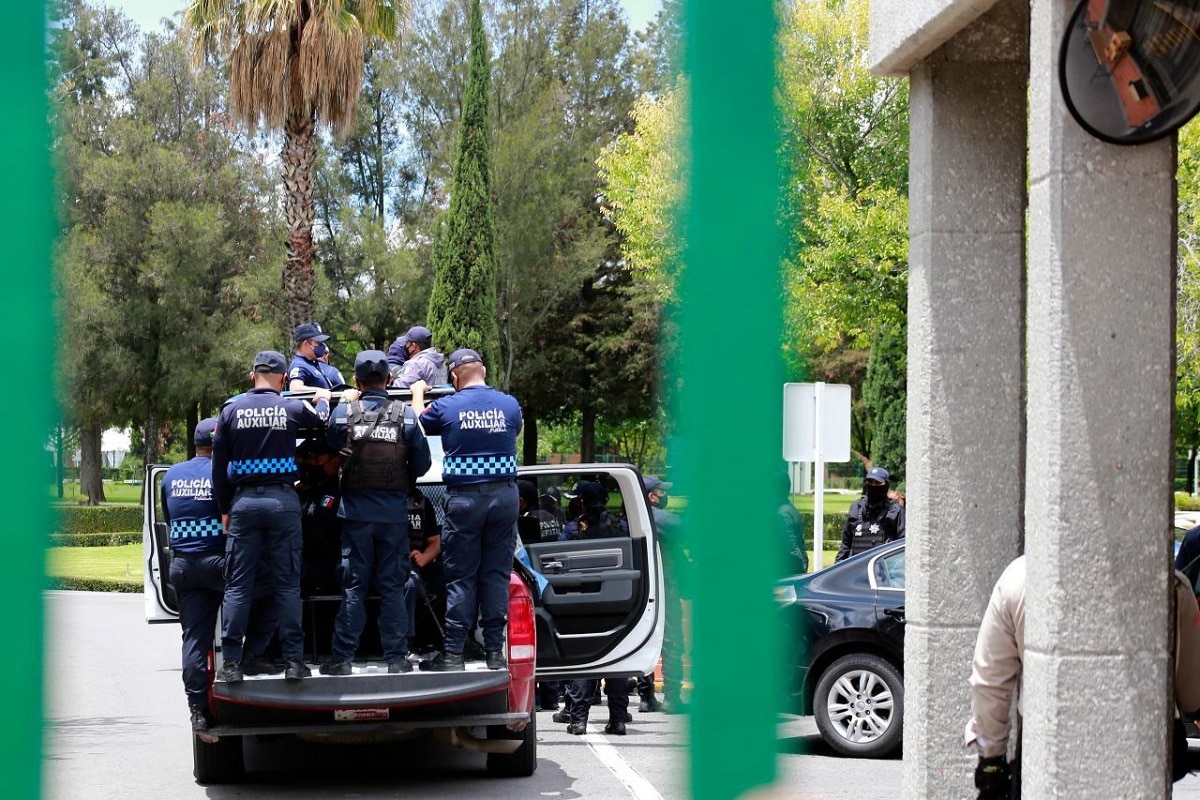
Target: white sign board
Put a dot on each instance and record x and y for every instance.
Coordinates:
(816, 415)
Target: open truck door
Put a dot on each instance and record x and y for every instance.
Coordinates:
(601, 611)
(157, 591)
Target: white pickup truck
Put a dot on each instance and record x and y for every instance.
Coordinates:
(600, 614)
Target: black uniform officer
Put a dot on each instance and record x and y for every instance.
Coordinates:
(874, 518)
(254, 472)
(426, 582)
(381, 446)
(197, 541)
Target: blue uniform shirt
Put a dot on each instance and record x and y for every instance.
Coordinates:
(380, 505)
(332, 374)
(479, 427)
(255, 441)
(311, 372)
(189, 508)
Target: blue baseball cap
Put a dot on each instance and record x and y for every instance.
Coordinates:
(463, 356)
(653, 482)
(877, 474)
(269, 361)
(203, 435)
(418, 335)
(309, 330)
(371, 365)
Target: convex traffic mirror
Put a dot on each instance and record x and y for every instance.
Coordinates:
(1130, 69)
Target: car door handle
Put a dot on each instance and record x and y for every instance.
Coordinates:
(895, 613)
(552, 566)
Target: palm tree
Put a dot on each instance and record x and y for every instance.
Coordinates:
(294, 64)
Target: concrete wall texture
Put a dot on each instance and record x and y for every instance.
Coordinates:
(1041, 387)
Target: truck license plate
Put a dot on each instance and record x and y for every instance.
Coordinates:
(360, 714)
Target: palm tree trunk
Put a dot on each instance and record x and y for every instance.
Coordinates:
(298, 156)
(91, 483)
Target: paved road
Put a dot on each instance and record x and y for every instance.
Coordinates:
(117, 728)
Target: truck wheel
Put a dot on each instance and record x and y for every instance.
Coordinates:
(518, 764)
(859, 706)
(220, 762)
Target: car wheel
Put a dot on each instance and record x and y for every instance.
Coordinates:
(221, 761)
(519, 764)
(859, 706)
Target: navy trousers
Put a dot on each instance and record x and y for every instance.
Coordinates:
(580, 693)
(199, 581)
(264, 522)
(378, 549)
(478, 537)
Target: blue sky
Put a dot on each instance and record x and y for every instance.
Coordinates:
(147, 13)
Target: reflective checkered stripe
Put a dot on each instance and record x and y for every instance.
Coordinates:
(480, 466)
(195, 528)
(263, 466)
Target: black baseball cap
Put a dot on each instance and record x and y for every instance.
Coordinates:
(269, 361)
(371, 365)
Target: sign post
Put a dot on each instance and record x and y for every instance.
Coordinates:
(816, 430)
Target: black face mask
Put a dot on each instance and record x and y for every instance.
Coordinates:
(875, 494)
(311, 474)
(661, 500)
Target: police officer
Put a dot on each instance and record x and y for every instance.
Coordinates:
(479, 427)
(397, 355)
(425, 580)
(331, 373)
(306, 368)
(535, 523)
(197, 542)
(874, 518)
(381, 446)
(254, 470)
(424, 362)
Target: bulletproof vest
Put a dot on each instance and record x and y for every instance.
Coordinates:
(376, 455)
(417, 517)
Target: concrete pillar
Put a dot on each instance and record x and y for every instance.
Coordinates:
(1098, 489)
(966, 433)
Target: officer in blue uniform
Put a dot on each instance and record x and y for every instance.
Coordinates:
(197, 541)
(306, 368)
(381, 446)
(254, 472)
(479, 427)
(331, 373)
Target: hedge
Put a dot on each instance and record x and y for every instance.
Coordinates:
(1185, 502)
(99, 519)
(833, 529)
(93, 585)
(94, 539)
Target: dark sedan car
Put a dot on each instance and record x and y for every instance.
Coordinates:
(850, 665)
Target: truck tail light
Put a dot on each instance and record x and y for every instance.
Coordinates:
(522, 630)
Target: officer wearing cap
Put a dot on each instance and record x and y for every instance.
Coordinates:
(306, 368)
(479, 427)
(397, 355)
(254, 474)
(382, 449)
(424, 362)
(874, 518)
(197, 541)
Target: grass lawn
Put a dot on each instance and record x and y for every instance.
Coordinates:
(113, 492)
(835, 504)
(122, 563)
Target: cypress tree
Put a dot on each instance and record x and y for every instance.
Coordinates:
(885, 394)
(462, 307)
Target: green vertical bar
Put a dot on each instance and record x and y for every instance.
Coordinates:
(27, 210)
(730, 402)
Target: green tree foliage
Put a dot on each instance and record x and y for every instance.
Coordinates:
(163, 235)
(1187, 341)
(885, 396)
(462, 308)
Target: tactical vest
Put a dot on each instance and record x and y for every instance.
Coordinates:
(376, 455)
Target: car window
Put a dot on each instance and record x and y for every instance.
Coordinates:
(889, 570)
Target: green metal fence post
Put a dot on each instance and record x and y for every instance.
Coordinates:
(27, 210)
(730, 403)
